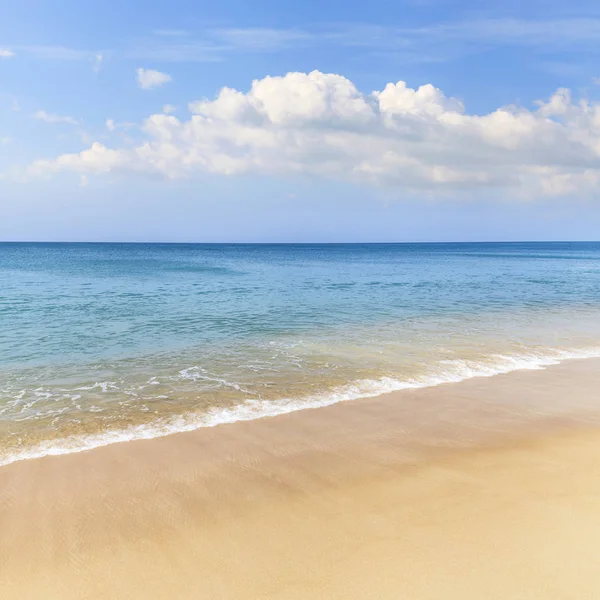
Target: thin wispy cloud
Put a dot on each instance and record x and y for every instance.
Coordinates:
(98, 62)
(262, 39)
(564, 69)
(42, 115)
(6, 53)
(566, 32)
(171, 32)
(435, 42)
(217, 44)
(543, 36)
(179, 51)
(59, 53)
(440, 41)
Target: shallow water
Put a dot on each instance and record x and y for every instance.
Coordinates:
(108, 342)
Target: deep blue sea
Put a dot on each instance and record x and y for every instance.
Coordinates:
(102, 343)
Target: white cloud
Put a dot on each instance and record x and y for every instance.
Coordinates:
(98, 159)
(149, 79)
(168, 109)
(110, 124)
(6, 53)
(42, 115)
(409, 139)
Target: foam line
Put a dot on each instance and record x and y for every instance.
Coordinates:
(452, 371)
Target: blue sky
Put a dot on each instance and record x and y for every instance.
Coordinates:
(113, 125)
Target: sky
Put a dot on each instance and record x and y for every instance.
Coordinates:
(269, 121)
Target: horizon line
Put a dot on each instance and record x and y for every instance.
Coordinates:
(389, 243)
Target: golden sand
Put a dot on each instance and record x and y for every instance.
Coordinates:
(485, 489)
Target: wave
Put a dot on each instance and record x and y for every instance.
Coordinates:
(449, 371)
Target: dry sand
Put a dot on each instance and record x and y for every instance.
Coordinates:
(488, 488)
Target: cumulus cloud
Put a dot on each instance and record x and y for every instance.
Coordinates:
(6, 53)
(42, 115)
(149, 79)
(321, 125)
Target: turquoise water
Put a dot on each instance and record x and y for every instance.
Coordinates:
(109, 342)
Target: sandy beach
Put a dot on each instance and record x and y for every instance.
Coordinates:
(485, 488)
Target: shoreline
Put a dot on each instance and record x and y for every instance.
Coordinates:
(353, 391)
(466, 489)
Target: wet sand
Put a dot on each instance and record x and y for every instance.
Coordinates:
(485, 488)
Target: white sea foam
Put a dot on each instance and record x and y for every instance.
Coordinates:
(450, 371)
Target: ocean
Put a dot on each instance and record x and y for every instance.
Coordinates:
(104, 343)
